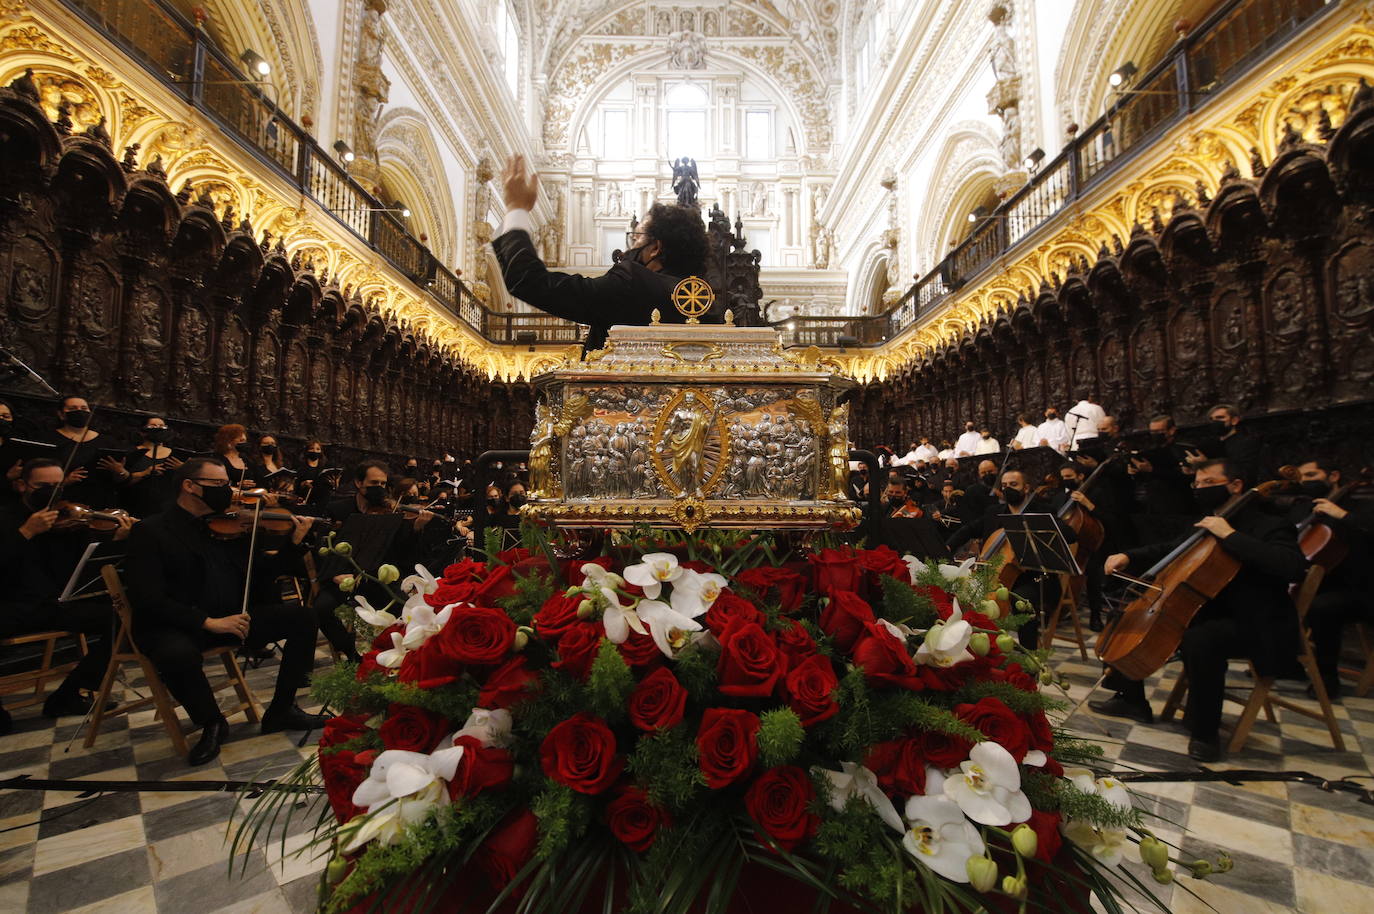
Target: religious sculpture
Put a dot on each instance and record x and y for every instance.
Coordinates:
(687, 50)
(542, 439)
(685, 181)
(371, 83)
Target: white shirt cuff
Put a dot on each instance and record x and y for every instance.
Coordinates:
(517, 219)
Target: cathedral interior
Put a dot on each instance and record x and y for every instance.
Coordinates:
(279, 214)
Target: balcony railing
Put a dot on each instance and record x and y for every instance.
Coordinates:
(189, 64)
(1227, 45)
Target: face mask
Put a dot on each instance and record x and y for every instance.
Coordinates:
(1069, 484)
(243, 447)
(411, 469)
(895, 501)
(1013, 497)
(38, 497)
(492, 501)
(1209, 498)
(986, 435)
(313, 455)
(1223, 425)
(268, 449)
(1159, 437)
(374, 495)
(989, 479)
(77, 418)
(1050, 417)
(155, 434)
(1314, 488)
(217, 498)
(516, 501)
(6, 425)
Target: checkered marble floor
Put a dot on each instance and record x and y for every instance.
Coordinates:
(1295, 847)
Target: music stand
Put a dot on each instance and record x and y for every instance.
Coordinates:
(86, 574)
(1039, 545)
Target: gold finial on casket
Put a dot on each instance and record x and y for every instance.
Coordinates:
(655, 317)
(729, 317)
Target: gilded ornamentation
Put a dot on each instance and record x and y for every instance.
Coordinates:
(684, 430)
(543, 439)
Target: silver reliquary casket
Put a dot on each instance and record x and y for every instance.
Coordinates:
(691, 425)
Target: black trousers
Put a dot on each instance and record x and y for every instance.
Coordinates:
(325, 607)
(177, 655)
(92, 617)
(1328, 615)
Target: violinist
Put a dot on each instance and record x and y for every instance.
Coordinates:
(1251, 617)
(897, 498)
(1344, 594)
(230, 441)
(188, 592)
(151, 487)
(39, 550)
(949, 509)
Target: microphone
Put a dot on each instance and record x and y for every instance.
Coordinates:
(20, 367)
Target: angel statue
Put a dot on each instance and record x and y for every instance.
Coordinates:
(837, 441)
(542, 440)
(685, 181)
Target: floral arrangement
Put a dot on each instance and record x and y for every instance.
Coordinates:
(684, 720)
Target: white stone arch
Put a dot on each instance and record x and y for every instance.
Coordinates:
(414, 170)
(967, 165)
(870, 280)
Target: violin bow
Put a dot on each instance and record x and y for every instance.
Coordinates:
(67, 466)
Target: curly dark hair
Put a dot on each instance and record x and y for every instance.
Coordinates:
(683, 236)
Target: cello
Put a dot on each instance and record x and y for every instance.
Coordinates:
(1317, 540)
(1150, 628)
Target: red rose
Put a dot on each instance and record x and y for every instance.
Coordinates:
(577, 649)
(727, 743)
(998, 723)
(942, 750)
(412, 729)
(342, 729)
(513, 556)
(1046, 825)
(844, 617)
(484, 591)
(1020, 678)
(900, 765)
(884, 658)
(836, 570)
(580, 753)
(634, 820)
(1041, 733)
(791, 587)
(428, 667)
(477, 635)
(880, 561)
(697, 565)
(481, 768)
(466, 570)
(750, 664)
(557, 615)
(795, 642)
(658, 702)
(509, 847)
(342, 774)
(729, 607)
(508, 685)
(779, 801)
(810, 688)
(639, 650)
(367, 666)
(497, 585)
(941, 598)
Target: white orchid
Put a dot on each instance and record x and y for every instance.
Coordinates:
(988, 787)
(1035, 759)
(1109, 789)
(670, 629)
(957, 572)
(421, 582)
(915, 566)
(399, 791)
(857, 781)
(423, 623)
(1108, 845)
(694, 592)
(619, 618)
(939, 835)
(372, 616)
(946, 644)
(490, 728)
(597, 577)
(656, 569)
(392, 657)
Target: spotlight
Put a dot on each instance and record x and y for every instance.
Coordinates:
(1033, 160)
(1122, 74)
(255, 63)
(402, 209)
(979, 213)
(345, 154)
(526, 338)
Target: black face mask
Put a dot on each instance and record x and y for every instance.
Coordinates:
(1013, 497)
(516, 501)
(1210, 498)
(493, 501)
(411, 469)
(1223, 425)
(989, 480)
(244, 448)
(156, 435)
(313, 455)
(1314, 488)
(6, 426)
(895, 501)
(1159, 438)
(77, 418)
(1050, 417)
(374, 495)
(37, 498)
(217, 498)
(268, 449)
(1069, 484)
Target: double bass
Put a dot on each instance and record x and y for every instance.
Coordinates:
(1150, 628)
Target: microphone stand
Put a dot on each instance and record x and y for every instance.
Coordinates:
(19, 367)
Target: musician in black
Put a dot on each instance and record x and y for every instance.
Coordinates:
(1234, 442)
(667, 246)
(1101, 504)
(949, 509)
(1344, 594)
(187, 591)
(897, 500)
(37, 558)
(1164, 481)
(1252, 616)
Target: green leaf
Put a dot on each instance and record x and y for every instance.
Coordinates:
(610, 683)
(780, 737)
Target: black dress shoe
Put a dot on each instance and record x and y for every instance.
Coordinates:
(1204, 750)
(292, 718)
(1118, 706)
(212, 736)
(1095, 624)
(66, 704)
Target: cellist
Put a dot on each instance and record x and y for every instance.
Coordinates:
(1344, 594)
(1101, 504)
(1251, 617)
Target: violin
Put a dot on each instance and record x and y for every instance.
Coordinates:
(1147, 632)
(71, 515)
(234, 524)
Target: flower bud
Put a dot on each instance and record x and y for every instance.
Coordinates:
(1022, 606)
(1164, 876)
(337, 870)
(1005, 643)
(980, 644)
(347, 584)
(1224, 863)
(1014, 886)
(990, 608)
(343, 548)
(585, 609)
(323, 551)
(572, 590)
(388, 573)
(1153, 852)
(522, 640)
(982, 873)
(1046, 676)
(1003, 594)
(1025, 840)
(1201, 869)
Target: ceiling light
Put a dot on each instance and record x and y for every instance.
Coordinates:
(979, 213)
(1122, 74)
(345, 154)
(255, 63)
